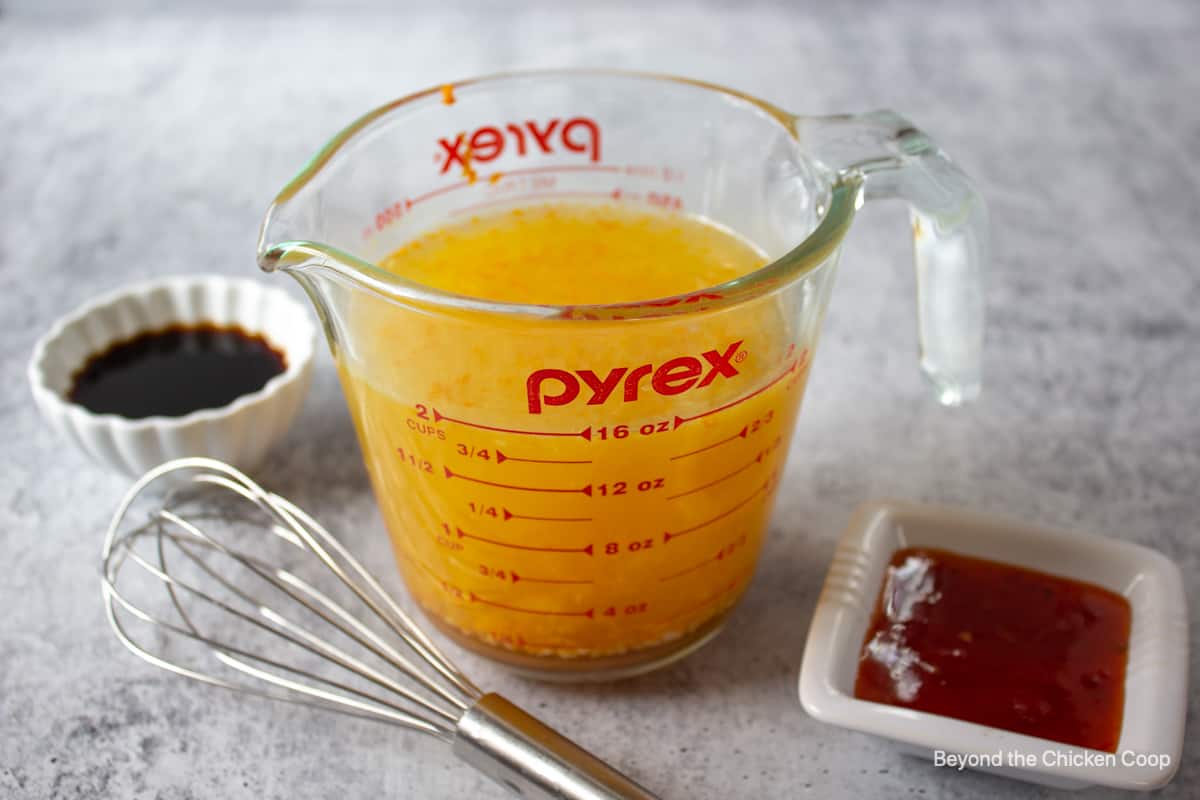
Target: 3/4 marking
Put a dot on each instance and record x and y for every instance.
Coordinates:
(589, 613)
(513, 545)
(548, 489)
(501, 457)
(564, 581)
(506, 575)
(438, 416)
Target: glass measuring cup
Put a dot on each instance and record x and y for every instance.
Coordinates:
(582, 491)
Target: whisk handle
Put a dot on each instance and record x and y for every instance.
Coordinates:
(533, 761)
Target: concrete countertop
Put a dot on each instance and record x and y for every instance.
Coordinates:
(141, 144)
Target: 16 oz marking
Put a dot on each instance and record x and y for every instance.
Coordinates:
(605, 432)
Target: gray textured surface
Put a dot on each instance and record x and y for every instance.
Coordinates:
(144, 145)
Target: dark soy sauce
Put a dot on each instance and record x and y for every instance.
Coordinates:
(175, 371)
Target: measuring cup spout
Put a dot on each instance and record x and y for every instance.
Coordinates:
(891, 158)
(300, 238)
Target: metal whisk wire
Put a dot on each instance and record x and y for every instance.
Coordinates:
(290, 524)
(434, 697)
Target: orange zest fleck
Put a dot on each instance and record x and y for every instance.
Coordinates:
(495, 177)
(468, 170)
(448, 94)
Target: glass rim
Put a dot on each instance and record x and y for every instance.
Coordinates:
(302, 256)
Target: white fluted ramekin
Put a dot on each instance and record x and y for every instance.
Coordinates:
(240, 433)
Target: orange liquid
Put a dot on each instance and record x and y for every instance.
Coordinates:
(563, 526)
(564, 254)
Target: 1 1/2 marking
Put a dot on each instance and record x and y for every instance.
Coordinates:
(410, 458)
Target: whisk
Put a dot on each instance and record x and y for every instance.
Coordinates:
(256, 626)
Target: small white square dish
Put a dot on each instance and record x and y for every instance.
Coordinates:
(1155, 690)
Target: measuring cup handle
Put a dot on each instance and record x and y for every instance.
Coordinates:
(532, 760)
(892, 158)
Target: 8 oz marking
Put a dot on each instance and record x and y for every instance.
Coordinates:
(635, 546)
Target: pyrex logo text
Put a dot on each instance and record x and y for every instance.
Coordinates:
(560, 387)
(487, 143)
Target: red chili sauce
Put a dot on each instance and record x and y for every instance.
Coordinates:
(998, 645)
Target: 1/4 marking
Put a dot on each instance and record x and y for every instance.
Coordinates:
(502, 513)
(512, 515)
(501, 457)
(483, 510)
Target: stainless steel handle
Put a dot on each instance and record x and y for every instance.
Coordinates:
(533, 761)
